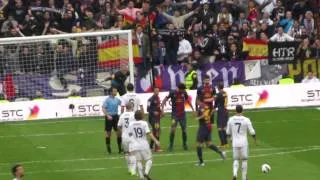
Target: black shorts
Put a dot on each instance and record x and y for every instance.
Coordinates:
(222, 118)
(111, 124)
(204, 134)
(153, 120)
(179, 119)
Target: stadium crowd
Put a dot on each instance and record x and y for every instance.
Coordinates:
(192, 32)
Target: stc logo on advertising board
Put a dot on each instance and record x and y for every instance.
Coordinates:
(312, 95)
(249, 99)
(12, 114)
(34, 111)
(85, 109)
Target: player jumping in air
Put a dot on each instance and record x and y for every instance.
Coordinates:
(221, 102)
(204, 133)
(139, 146)
(123, 126)
(155, 113)
(131, 97)
(237, 128)
(178, 98)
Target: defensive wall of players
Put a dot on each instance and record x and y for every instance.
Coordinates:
(251, 97)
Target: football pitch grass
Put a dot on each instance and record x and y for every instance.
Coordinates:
(288, 140)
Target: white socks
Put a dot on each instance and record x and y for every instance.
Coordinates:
(140, 169)
(235, 168)
(132, 164)
(148, 166)
(244, 169)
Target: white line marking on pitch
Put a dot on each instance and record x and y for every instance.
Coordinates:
(165, 164)
(154, 155)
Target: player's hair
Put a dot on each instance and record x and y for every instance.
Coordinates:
(239, 109)
(129, 106)
(220, 86)
(138, 115)
(206, 76)
(15, 168)
(130, 87)
(181, 86)
(111, 89)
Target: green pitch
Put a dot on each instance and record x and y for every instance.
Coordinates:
(75, 149)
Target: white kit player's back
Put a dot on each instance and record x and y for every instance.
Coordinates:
(133, 98)
(238, 126)
(138, 133)
(124, 120)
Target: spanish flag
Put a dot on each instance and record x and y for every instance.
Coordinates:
(115, 52)
(256, 49)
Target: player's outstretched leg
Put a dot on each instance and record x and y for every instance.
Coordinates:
(199, 154)
(235, 168)
(244, 169)
(217, 150)
(221, 136)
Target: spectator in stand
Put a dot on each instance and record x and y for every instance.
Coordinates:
(266, 19)
(253, 11)
(310, 78)
(280, 36)
(185, 48)
(206, 15)
(234, 54)
(129, 11)
(241, 20)
(225, 17)
(295, 31)
(8, 24)
(64, 61)
(177, 19)
(278, 11)
(287, 23)
(304, 50)
(316, 49)
(308, 23)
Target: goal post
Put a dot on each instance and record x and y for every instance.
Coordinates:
(58, 65)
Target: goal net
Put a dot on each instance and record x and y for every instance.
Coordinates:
(57, 66)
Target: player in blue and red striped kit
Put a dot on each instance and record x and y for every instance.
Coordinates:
(178, 99)
(155, 113)
(220, 104)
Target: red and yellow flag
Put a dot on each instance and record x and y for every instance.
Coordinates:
(113, 52)
(257, 49)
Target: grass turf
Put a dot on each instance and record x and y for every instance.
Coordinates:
(75, 149)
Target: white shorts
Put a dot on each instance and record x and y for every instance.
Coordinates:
(125, 144)
(240, 153)
(143, 155)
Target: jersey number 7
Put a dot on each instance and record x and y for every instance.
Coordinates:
(239, 125)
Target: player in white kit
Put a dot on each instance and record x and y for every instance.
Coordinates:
(123, 125)
(139, 146)
(131, 97)
(237, 128)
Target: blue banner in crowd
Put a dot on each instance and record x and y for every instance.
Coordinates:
(168, 77)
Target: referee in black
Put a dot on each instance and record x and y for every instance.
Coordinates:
(110, 109)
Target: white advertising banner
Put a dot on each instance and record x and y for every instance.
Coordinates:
(251, 97)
